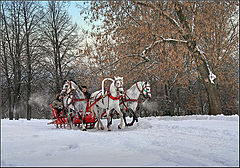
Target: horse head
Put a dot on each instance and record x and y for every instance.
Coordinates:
(68, 87)
(118, 83)
(146, 90)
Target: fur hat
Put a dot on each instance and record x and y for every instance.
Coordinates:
(57, 96)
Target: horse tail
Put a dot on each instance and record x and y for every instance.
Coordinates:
(103, 84)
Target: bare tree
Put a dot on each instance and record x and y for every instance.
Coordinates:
(32, 15)
(14, 41)
(59, 39)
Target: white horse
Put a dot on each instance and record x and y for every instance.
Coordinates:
(108, 100)
(129, 100)
(75, 101)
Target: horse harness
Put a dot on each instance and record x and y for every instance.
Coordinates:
(126, 98)
(71, 95)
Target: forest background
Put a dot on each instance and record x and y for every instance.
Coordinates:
(188, 51)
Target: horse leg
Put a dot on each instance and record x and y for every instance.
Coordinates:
(108, 120)
(82, 121)
(97, 124)
(124, 118)
(134, 118)
(101, 125)
(72, 117)
(98, 116)
(111, 114)
(121, 116)
(70, 121)
(95, 110)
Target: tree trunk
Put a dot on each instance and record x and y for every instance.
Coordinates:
(56, 73)
(16, 109)
(6, 69)
(212, 92)
(214, 101)
(29, 67)
(29, 111)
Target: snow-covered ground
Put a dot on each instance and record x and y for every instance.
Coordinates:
(153, 141)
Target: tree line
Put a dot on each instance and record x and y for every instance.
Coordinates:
(188, 51)
(37, 47)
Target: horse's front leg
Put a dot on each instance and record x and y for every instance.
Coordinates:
(70, 122)
(124, 118)
(84, 118)
(109, 120)
(83, 128)
(121, 117)
(134, 117)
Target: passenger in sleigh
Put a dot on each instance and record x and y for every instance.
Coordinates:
(86, 93)
(88, 96)
(58, 105)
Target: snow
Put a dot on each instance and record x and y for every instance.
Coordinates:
(197, 140)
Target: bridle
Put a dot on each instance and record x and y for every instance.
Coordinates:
(118, 93)
(144, 89)
(71, 89)
(120, 86)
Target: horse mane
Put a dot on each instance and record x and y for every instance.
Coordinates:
(64, 82)
(79, 86)
(136, 83)
(73, 81)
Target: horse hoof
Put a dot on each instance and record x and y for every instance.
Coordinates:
(84, 129)
(119, 127)
(102, 128)
(109, 130)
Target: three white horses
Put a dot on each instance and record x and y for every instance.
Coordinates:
(115, 98)
(75, 101)
(108, 100)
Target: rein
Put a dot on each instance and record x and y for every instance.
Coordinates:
(124, 99)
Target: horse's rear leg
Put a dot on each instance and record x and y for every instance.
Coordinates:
(101, 125)
(99, 122)
(109, 120)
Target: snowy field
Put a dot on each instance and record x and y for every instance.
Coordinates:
(153, 141)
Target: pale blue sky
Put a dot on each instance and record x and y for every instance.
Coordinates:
(74, 12)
